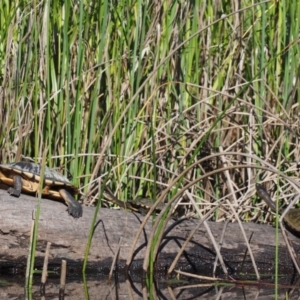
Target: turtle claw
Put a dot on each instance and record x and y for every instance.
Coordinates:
(74, 207)
(13, 192)
(75, 212)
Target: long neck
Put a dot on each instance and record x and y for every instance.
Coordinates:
(263, 194)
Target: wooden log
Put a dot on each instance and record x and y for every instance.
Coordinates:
(69, 237)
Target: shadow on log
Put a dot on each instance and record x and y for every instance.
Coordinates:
(69, 238)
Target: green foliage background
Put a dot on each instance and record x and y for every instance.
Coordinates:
(118, 87)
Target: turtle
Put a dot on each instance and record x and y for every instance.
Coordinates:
(140, 205)
(26, 176)
(292, 217)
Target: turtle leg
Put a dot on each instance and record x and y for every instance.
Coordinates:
(16, 189)
(74, 207)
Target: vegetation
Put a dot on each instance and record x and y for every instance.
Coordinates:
(136, 92)
(139, 91)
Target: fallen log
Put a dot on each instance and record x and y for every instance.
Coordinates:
(69, 238)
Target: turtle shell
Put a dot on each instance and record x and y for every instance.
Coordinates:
(31, 177)
(292, 219)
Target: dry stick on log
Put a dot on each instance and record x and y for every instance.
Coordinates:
(45, 269)
(129, 289)
(171, 293)
(63, 275)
